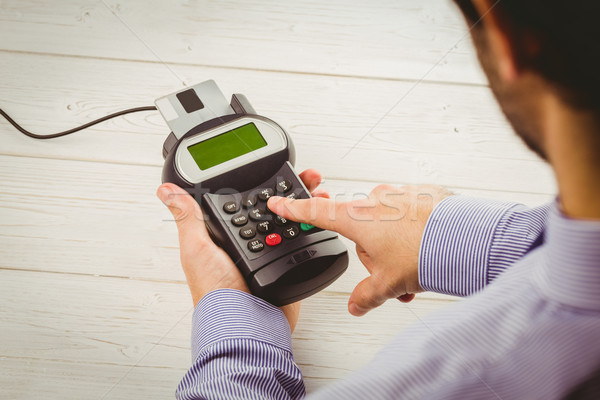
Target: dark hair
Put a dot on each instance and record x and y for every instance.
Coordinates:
(567, 34)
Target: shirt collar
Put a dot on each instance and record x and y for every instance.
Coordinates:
(571, 271)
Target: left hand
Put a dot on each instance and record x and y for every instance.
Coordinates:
(206, 266)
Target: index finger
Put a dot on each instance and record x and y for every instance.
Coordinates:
(318, 211)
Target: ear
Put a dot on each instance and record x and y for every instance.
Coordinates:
(499, 37)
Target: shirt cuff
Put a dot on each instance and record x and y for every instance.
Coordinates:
(457, 243)
(225, 314)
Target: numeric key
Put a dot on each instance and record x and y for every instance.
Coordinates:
(265, 194)
(279, 220)
(257, 214)
(265, 226)
(284, 185)
(250, 200)
(291, 232)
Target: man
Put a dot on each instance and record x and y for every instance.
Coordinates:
(531, 326)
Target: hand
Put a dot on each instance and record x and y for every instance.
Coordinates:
(387, 228)
(206, 266)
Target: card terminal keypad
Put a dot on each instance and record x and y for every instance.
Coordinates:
(257, 229)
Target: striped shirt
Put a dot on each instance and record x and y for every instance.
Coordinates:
(529, 329)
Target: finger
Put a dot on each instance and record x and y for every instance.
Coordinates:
(368, 294)
(318, 211)
(320, 193)
(406, 298)
(311, 179)
(364, 257)
(187, 215)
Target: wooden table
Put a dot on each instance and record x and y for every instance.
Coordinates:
(93, 302)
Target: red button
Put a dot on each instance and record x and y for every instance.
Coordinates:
(273, 239)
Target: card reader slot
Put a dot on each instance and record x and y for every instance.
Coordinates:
(303, 272)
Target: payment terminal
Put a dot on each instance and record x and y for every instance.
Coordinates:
(232, 160)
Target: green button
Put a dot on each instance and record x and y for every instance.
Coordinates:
(306, 227)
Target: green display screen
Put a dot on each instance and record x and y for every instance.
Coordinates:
(227, 146)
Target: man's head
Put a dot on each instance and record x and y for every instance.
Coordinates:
(534, 48)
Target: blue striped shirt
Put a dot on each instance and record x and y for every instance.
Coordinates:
(533, 333)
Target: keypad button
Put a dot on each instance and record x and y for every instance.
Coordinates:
(256, 214)
(264, 227)
(306, 227)
(231, 207)
(239, 220)
(291, 232)
(264, 194)
(273, 239)
(247, 233)
(250, 200)
(293, 196)
(279, 220)
(283, 185)
(255, 245)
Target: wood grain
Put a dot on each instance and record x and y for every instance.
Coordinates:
(93, 301)
(84, 324)
(376, 38)
(29, 378)
(81, 221)
(445, 134)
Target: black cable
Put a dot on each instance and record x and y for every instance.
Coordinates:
(68, 132)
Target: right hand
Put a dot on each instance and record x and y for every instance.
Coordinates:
(387, 228)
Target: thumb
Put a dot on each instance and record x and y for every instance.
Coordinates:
(187, 215)
(368, 294)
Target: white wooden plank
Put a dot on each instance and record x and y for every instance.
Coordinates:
(446, 134)
(94, 319)
(90, 282)
(383, 38)
(104, 219)
(108, 323)
(25, 378)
